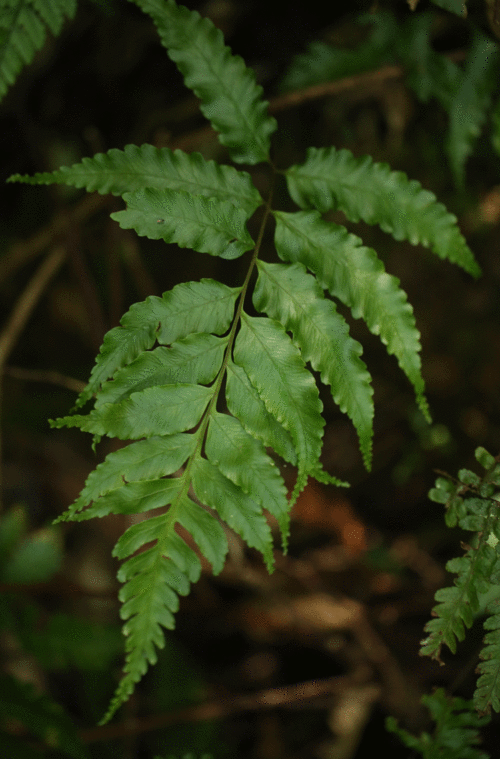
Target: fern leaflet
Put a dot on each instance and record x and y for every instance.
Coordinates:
(23, 29)
(356, 276)
(323, 63)
(473, 502)
(230, 98)
(286, 387)
(135, 168)
(335, 179)
(471, 102)
(205, 306)
(456, 734)
(293, 297)
(487, 691)
(191, 221)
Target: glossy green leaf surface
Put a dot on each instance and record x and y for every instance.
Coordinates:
(357, 277)
(286, 387)
(161, 410)
(335, 179)
(229, 95)
(137, 167)
(191, 221)
(293, 297)
(205, 306)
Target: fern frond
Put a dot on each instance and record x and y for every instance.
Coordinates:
(325, 63)
(356, 276)
(454, 6)
(22, 704)
(458, 604)
(471, 102)
(205, 306)
(230, 98)
(135, 168)
(456, 733)
(335, 179)
(161, 410)
(192, 221)
(245, 403)
(286, 387)
(195, 359)
(243, 460)
(23, 29)
(152, 586)
(476, 510)
(237, 509)
(114, 485)
(428, 73)
(487, 693)
(293, 297)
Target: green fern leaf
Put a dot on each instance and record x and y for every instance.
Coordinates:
(161, 410)
(230, 98)
(245, 403)
(293, 297)
(195, 359)
(237, 509)
(150, 595)
(131, 498)
(335, 179)
(23, 29)
(242, 459)
(460, 603)
(325, 63)
(471, 103)
(495, 126)
(357, 277)
(153, 529)
(22, 704)
(285, 385)
(454, 6)
(429, 74)
(153, 581)
(192, 221)
(487, 693)
(135, 168)
(143, 460)
(455, 735)
(205, 306)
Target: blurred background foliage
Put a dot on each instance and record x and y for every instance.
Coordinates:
(330, 641)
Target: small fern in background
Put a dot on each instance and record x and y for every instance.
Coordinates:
(205, 389)
(472, 503)
(455, 735)
(464, 93)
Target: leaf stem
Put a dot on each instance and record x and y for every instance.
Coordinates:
(186, 476)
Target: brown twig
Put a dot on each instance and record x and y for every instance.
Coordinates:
(23, 310)
(325, 89)
(58, 227)
(50, 377)
(224, 707)
(28, 300)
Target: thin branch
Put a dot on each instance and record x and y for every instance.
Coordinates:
(289, 695)
(28, 301)
(20, 315)
(58, 227)
(49, 377)
(325, 89)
